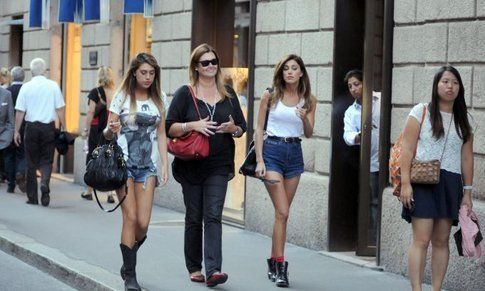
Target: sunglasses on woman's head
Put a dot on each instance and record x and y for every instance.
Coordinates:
(205, 63)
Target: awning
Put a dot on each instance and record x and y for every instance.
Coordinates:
(79, 11)
(70, 11)
(91, 10)
(39, 13)
(144, 7)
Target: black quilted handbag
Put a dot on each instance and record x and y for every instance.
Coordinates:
(106, 170)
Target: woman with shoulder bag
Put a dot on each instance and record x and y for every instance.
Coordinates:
(279, 157)
(207, 107)
(137, 113)
(446, 135)
(99, 99)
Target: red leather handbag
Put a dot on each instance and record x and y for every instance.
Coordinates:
(193, 146)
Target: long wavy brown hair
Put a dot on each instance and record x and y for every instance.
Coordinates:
(128, 85)
(279, 84)
(460, 112)
(194, 74)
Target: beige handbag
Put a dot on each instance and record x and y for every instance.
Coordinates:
(428, 172)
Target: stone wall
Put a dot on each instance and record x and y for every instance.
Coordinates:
(172, 33)
(36, 42)
(427, 35)
(306, 28)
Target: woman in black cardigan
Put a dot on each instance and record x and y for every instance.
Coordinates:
(204, 182)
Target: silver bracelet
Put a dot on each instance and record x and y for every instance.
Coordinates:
(467, 187)
(184, 127)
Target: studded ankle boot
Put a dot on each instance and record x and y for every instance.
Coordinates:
(271, 269)
(282, 274)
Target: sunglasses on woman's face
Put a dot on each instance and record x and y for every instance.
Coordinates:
(205, 63)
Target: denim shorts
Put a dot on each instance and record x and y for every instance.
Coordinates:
(140, 175)
(285, 158)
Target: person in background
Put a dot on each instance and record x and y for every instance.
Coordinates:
(445, 134)
(137, 112)
(15, 155)
(4, 83)
(99, 100)
(40, 102)
(7, 121)
(352, 136)
(5, 77)
(204, 182)
(279, 157)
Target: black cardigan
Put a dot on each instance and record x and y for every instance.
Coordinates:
(221, 154)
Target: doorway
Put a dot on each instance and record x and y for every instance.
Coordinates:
(353, 222)
(140, 35)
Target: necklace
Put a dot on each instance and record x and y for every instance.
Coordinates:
(211, 111)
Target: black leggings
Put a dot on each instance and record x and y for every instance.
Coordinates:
(204, 202)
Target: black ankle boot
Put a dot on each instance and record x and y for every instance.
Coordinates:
(282, 274)
(135, 248)
(129, 261)
(271, 269)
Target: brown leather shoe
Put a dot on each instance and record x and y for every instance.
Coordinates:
(216, 279)
(199, 278)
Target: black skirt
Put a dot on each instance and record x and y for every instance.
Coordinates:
(441, 200)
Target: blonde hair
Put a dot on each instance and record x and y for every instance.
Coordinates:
(128, 85)
(5, 74)
(194, 74)
(105, 77)
(279, 83)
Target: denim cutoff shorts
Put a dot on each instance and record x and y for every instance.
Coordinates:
(285, 158)
(140, 175)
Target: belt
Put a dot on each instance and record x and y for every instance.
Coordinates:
(285, 139)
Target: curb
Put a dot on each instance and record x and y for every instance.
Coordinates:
(352, 260)
(75, 273)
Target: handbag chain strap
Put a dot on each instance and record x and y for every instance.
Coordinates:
(446, 137)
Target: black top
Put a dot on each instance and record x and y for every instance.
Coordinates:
(101, 110)
(221, 146)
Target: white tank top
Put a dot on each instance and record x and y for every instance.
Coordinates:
(283, 121)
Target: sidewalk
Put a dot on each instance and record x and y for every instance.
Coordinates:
(78, 244)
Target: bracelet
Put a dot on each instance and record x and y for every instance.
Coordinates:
(236, 133)
(467, 187)
(184, 127)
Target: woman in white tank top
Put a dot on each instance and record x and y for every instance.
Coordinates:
(279, 158)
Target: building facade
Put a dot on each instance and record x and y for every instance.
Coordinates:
(398, 44)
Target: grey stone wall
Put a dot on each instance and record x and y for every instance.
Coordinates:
(427, 35)
(396, 235)
(172, 33)
(36, 42)
(306, 28)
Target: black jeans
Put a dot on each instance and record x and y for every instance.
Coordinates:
(14, 157)
(39, 142)
(204, 202)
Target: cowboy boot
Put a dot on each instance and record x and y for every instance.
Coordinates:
(129, 261)
(135, 248)
(282, 274)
